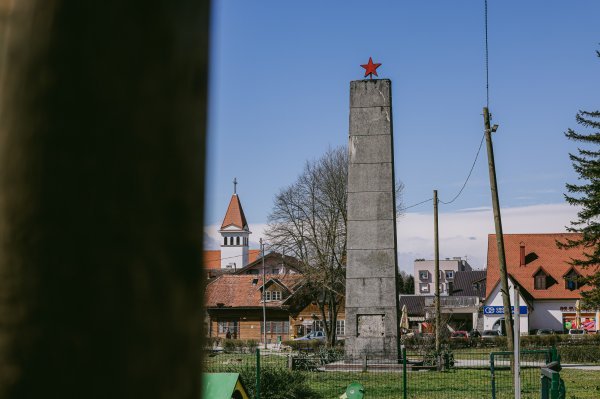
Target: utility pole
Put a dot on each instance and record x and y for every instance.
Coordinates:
(508, 323)
(436, 277)
(264, 304)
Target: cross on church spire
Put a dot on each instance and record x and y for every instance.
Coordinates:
(235, 185)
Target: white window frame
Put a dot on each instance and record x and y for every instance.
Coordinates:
(449, 274)
(424, 273)
(340, 328)
(272, 295)
(423, 287)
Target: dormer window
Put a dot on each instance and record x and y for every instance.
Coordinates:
(273, 296)
(541, 280)
(572, 280)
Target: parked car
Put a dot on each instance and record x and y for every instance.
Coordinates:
(490, 334)
(474, 334)
(459, 335)
(545, 331)
(577, 333)
(318, 335)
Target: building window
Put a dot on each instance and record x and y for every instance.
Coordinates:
(273, 295)
(230, 326)
(572, 280)
(276, 327)
(449, 274)
(423, 274)
(224, 240)
(340, 328)
(423, 287)
(540, 280)
(237, 240)
(319, 325)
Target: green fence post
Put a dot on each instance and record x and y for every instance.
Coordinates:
(554, 354)
(257, 394)
(493, 376)
(544, 388)
(555, 386)
(404, 387)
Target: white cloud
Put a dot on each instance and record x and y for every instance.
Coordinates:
(462, 233)
(465, 233)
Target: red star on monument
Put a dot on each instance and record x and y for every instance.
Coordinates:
(370, 68)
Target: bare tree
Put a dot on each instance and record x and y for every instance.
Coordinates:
(308, 221)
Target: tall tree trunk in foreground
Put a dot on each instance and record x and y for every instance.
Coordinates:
(102, 120)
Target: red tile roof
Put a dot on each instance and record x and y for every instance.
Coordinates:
(235, 214)
(548, 256)
(212, 258)
(238, 291)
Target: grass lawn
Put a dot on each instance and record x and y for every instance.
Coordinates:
(457, 383)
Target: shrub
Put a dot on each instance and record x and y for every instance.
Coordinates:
(579, 353)
(309, 346)
(233, 345)
(276, 383)
(251, 345)
(212, 342)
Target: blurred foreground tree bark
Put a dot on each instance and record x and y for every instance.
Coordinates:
(102, 123)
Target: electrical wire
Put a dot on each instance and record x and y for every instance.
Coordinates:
(487, 72)
(417, 204)
(468, 176)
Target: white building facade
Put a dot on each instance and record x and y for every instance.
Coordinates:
(424, 274)
(548, 284)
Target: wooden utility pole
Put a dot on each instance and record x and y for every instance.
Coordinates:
(436, 277)
(264, 303)
(498, 224)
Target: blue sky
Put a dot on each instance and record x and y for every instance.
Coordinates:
(279, 84)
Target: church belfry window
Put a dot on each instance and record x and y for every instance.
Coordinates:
(224, 240)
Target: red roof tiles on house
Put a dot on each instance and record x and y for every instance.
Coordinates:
(541, 252)
(212, 259)
(235, 214)
(231, 290)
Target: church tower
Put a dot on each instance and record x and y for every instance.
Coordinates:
(235, 234)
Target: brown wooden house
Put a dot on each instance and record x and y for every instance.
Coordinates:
(234, 304)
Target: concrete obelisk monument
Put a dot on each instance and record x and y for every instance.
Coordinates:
(371, 273)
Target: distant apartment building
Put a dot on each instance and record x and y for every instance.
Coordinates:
(424, 275)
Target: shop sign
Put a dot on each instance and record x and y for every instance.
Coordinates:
(491, 310)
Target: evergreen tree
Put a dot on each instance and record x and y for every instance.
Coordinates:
(409, 285)
(400, 283)
(586, 195)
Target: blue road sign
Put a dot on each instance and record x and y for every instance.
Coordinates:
(490, 310)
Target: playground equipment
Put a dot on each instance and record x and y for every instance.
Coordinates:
(223, 386)
(354, 391)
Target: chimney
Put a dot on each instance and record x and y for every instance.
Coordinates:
(522, 253)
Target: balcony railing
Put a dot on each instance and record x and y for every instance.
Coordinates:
(453, 301)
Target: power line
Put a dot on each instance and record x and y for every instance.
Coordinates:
(487, 73)
(417, 204)
(468, 176)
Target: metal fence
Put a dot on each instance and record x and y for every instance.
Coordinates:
(325, 373)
